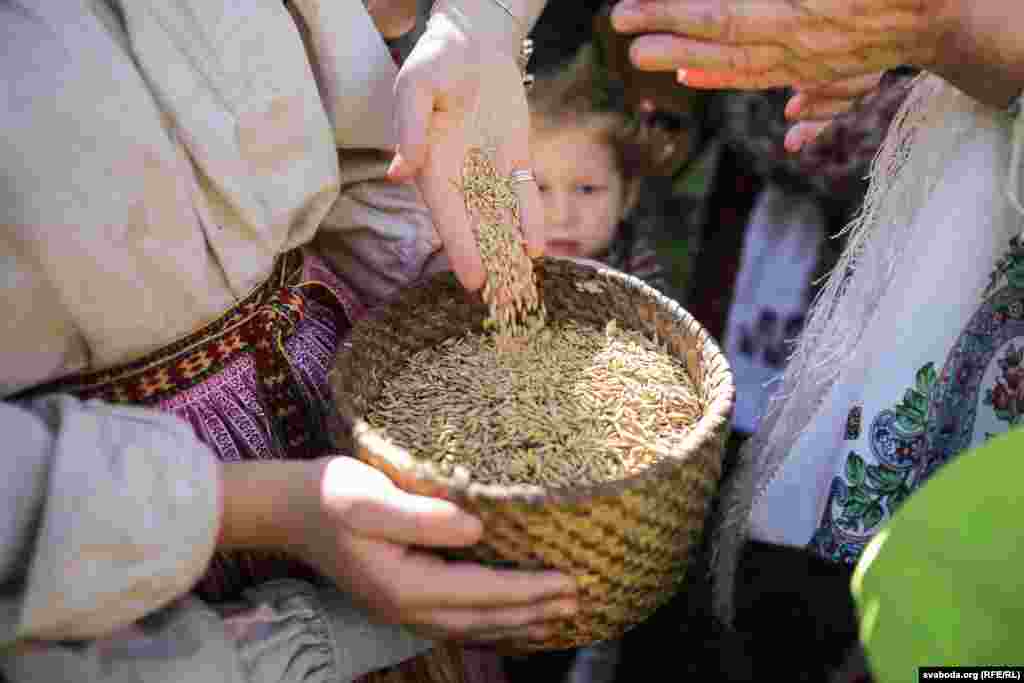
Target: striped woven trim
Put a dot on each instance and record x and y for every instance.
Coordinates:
(195, 357)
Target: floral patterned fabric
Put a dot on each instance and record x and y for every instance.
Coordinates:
(935, 370)
(977, 393)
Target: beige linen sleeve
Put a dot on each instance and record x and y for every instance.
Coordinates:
(354, 71)
(109, 513)
(379, 235)
(281, 632)
(501, 24)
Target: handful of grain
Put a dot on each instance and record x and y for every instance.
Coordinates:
(574, 406)
(511, 287)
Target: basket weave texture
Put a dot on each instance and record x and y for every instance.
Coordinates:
(627, 542)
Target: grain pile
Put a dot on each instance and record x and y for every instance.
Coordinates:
(572, 406)
(511, 287)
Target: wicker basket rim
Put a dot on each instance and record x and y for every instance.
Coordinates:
(460, 487)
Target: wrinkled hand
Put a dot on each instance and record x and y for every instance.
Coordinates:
(369, 536)
(815, 109)
(454, 93)
(756, 44)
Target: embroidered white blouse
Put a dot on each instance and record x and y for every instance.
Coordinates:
(940, 363)
(155, 158)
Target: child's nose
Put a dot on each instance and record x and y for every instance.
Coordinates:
(558, 207)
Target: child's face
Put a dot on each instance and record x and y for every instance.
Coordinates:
(582, 190)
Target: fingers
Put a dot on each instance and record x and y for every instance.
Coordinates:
(729, 22)
(414, 106)
(832, 99)
(814, 109)
(803, 134)
(729, 80)
(534, 631)
(531, 213)
(802, 107)
(468, 584)
(766, 43)
(439, 183)
(452, 222)
(491, 625)
(664, 52)
(414, 581)
(513, 154)
(430, 147)
(371, 506)
(850, 88)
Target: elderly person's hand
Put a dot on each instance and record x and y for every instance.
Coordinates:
(833, 52)
(815, 108)
(772, 43)
(807, 44)
(461, 87)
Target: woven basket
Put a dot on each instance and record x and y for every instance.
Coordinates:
(627, 542)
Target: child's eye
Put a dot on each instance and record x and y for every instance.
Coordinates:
(589, 189)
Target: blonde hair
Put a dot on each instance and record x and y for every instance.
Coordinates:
(575, 97)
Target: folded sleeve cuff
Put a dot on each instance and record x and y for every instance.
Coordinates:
(293, 626)
(129, 520)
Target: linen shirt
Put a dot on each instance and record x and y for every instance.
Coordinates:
(937, 368)
(156, 159)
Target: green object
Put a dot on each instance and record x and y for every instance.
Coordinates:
(943, 583)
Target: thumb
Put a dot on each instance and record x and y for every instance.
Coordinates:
(370, 505)
(414, 107)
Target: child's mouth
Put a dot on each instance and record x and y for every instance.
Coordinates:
(563, 248)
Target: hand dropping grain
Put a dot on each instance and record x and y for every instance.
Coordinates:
(510, 290)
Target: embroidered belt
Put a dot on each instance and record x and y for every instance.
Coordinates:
(257, 325)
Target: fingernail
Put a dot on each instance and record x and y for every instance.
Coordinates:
(792, 108)
(395, 168)
(681, 76)
(792, 141)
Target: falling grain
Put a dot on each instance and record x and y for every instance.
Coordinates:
(510, 290)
